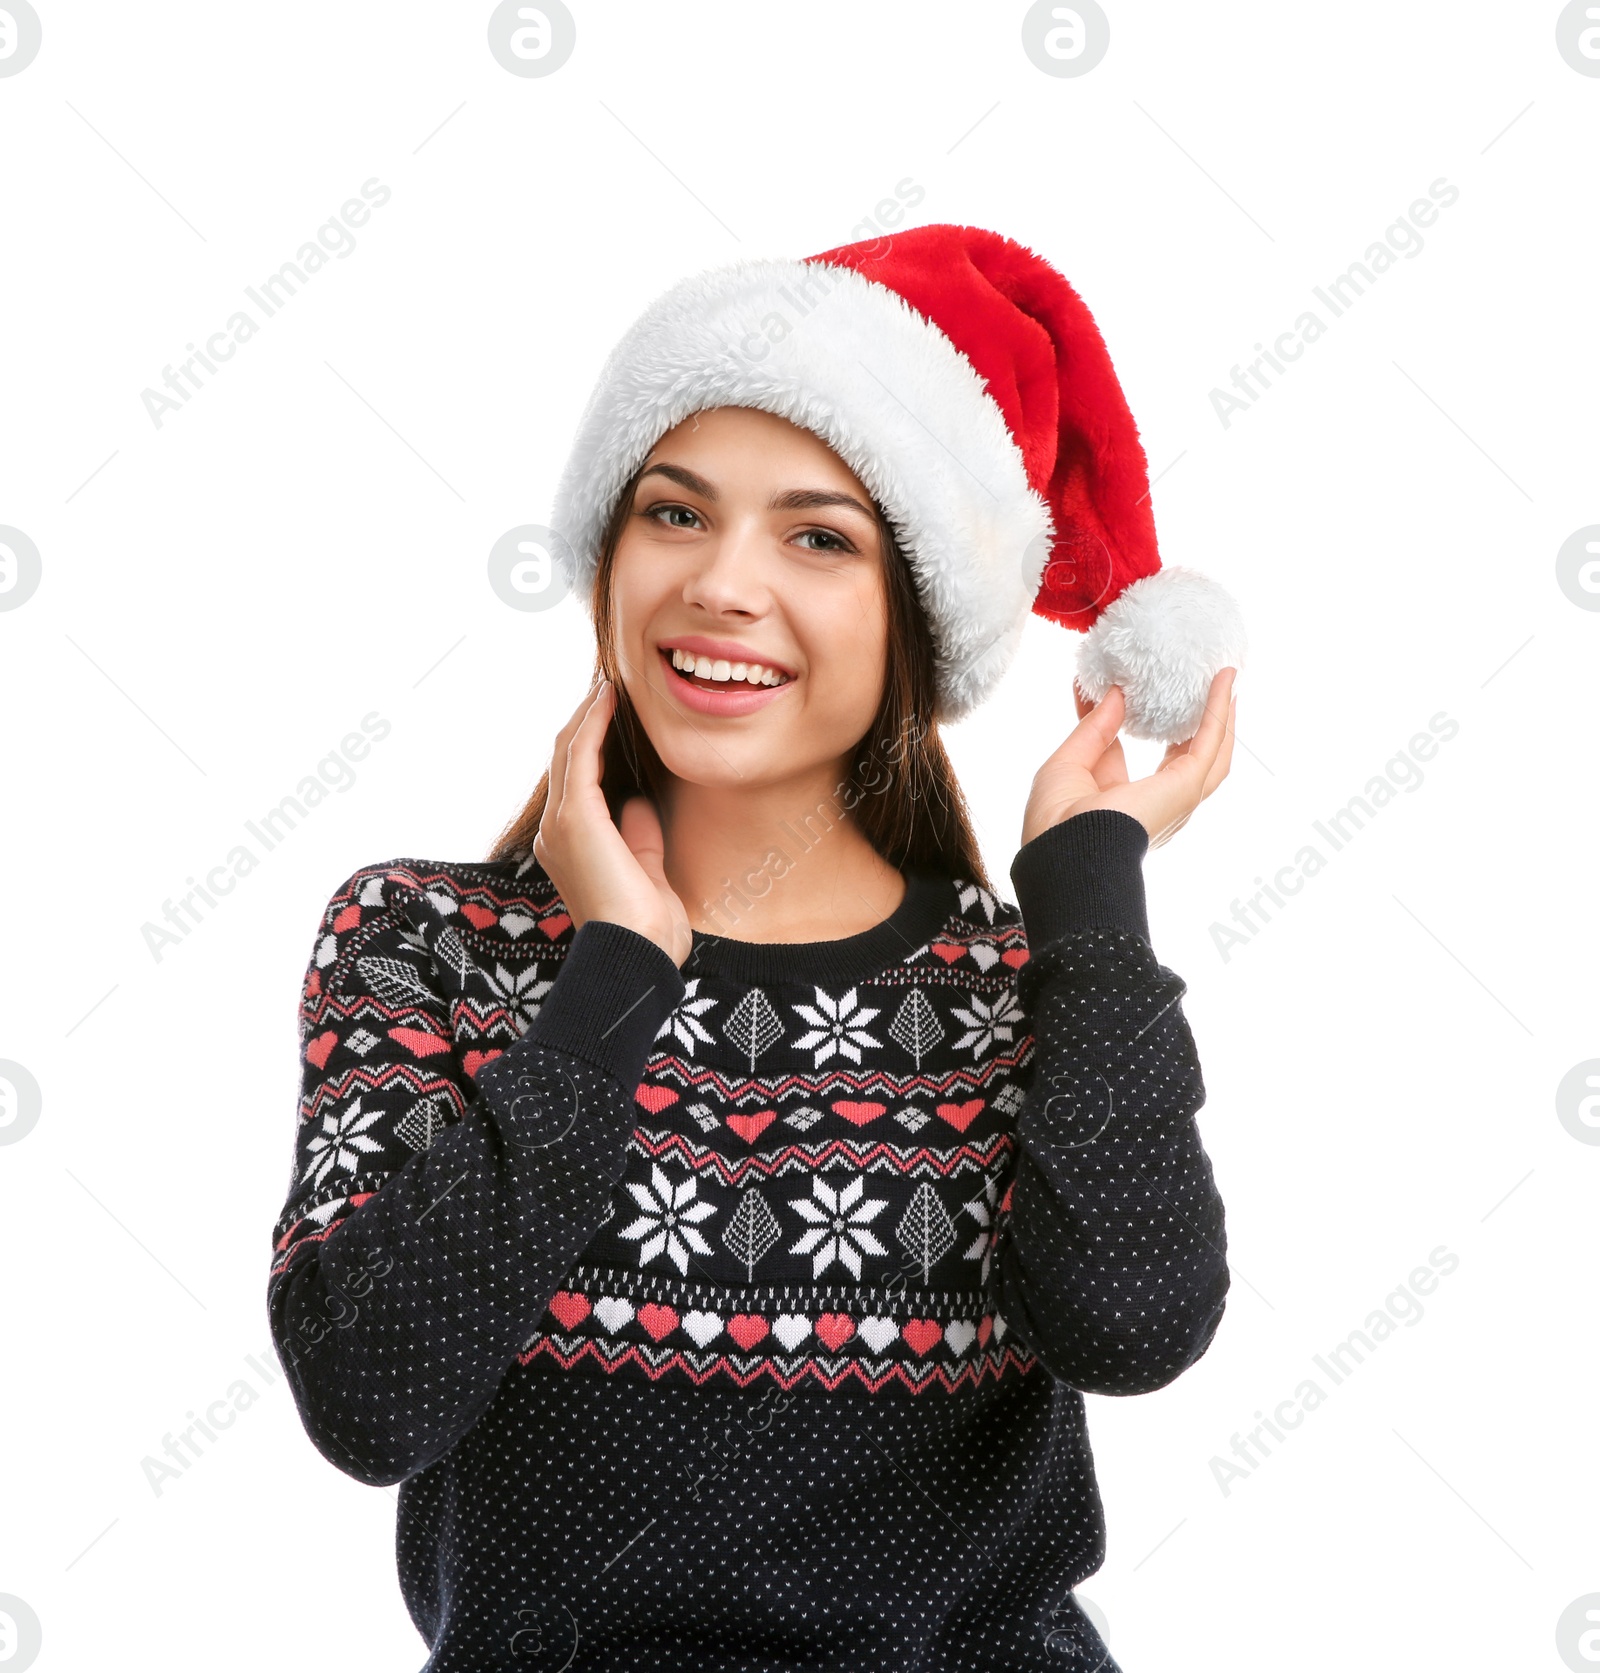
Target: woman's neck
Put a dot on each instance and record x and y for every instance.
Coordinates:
(781, 863)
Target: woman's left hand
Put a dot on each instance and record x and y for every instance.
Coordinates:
(1089, 771)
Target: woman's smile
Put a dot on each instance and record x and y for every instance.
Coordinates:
(721, 676)
(727, 695)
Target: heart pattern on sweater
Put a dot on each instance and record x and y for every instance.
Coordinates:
(321, 1048)
(569, 1310)
(959, 1335)
(858, 1115)
(655, 1098)
(747, 1329)
(960, 1116)
(751, 1127)
(922, 1335)
(878, 1333)
(658, 1321)
(613, 1312)
(834, 1330)
(419, 1042)
(480, 917)
(699, 1327)
(791, 1329)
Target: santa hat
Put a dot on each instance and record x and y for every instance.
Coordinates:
(966, 385)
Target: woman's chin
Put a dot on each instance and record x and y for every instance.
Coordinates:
(751, 765)
(725, 761)
(743, 752)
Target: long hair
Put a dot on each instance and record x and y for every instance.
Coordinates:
(901, 789)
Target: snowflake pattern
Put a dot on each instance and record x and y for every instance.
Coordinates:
(342, 1142)
(836, 1026)
(838, 1220)
(987, 1021)
(684, 1024)
(522, 991)
(668, 1218)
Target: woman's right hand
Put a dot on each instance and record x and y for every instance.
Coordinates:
(599, 870)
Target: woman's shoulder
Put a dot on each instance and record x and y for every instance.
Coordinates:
(510, 901)
(516, 878)
(984, 915)
(979, 938)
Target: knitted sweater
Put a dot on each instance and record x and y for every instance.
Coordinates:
(739, 1317)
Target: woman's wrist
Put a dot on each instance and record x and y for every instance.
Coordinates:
(1084, 872)
(613, 992)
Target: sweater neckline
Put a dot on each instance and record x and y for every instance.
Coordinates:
(924, 910)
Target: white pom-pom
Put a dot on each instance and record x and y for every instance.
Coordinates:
(1163, 639)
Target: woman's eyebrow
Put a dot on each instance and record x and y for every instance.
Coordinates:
(683, 478)
(796, 499)
(809, 499)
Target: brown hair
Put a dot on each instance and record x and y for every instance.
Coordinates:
(901, 791)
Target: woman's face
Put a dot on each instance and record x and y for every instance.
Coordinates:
(750, 542)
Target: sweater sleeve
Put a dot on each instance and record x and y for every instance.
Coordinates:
(397, 1308)
(1111, 1256)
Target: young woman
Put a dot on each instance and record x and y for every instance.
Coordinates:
(712, 1208)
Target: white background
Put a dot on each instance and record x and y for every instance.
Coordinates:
(224, 597)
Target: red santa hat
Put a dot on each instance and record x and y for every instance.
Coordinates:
(964, 382)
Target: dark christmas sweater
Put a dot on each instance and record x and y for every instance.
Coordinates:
(739, 1316)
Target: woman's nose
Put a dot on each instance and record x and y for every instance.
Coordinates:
(731, 571)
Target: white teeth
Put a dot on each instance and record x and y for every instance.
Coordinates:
(748, 673)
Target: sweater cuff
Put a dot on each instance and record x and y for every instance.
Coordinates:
(1083, 873)
(609, 1000)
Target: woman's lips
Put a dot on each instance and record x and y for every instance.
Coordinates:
(738, 698)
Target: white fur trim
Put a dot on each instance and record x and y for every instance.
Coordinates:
(888, 392)
(1163, 639)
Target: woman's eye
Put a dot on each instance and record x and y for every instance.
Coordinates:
(661, 512)
(839, 544)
